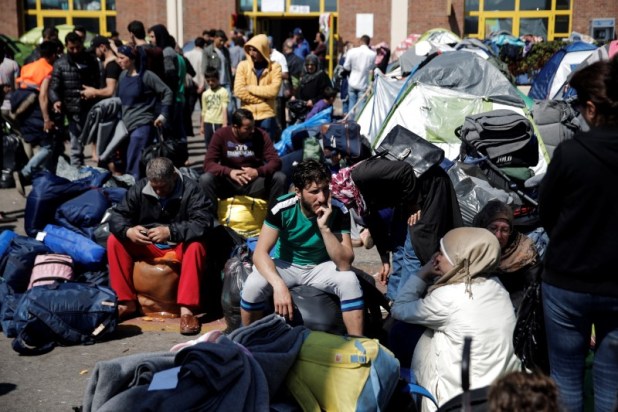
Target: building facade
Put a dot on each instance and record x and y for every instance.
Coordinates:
(384, 20)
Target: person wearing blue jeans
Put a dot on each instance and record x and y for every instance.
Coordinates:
(405, 264)
(146, 103)
(270, 125)
(425, 208)
(577, 207)
(354, 95)
(139, 139)
(569, 317)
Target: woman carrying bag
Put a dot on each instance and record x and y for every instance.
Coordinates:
(139, 91)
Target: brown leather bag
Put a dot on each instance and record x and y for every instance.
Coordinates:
(156, 285)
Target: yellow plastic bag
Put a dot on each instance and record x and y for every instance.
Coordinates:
(244, 214)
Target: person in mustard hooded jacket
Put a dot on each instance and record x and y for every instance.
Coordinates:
(257, 84)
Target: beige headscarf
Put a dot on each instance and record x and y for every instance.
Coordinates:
(472, 252)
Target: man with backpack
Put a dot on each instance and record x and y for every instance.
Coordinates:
(37, 122)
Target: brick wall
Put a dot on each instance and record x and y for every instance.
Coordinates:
(586, 10)
(381, 10)
(9, 17)
(149, 12)
(208, 15)
(423, 16)
(200, 15)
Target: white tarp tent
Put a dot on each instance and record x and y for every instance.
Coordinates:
(385, 91)
(434, 102)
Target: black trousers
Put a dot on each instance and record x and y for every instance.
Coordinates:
(222, 187)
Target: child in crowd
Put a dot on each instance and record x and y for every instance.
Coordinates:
(214, 106)
(324, 103)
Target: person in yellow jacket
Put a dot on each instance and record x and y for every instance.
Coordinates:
(257, 84)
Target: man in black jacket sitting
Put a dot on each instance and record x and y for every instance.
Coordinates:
(163, 212)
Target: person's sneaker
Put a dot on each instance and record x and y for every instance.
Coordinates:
(20, 182)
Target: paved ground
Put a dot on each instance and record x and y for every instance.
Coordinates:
(56, 381)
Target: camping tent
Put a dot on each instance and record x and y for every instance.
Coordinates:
(548, 84)
(434, 102)
(417, 53)
(440, 36)
(385, 92)
(605, 52)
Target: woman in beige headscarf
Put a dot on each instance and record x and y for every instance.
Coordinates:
(519, 261)
(464, 300)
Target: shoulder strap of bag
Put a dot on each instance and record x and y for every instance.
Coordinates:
(54, 278)
(412, 387)
(415, 389)
(20, 346)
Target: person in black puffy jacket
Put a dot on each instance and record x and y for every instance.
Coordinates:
(73, 70)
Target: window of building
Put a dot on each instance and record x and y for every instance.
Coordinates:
(97, 16)
(287, 7)
(550, 19)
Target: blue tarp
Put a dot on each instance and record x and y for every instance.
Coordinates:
(284, 146)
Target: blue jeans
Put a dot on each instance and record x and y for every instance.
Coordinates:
(209, 130)
(405, 263)
(354, 95)
(76, 126)
(569, 317)
(139, 139)
(270, 126)
(46, 157)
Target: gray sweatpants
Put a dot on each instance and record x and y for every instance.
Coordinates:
(324, 277)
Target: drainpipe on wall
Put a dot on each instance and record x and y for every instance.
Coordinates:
(175, 24)
(399, 22)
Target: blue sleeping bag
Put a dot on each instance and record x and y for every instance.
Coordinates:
(84, 251)
(48, 193)
(285, 145)
(84, 213)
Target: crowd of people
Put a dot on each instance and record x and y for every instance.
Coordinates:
(159, 85)
(447, 281)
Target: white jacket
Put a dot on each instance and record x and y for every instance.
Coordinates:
(450, 315)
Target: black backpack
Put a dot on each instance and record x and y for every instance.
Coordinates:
(13, 153)
(505, 137)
